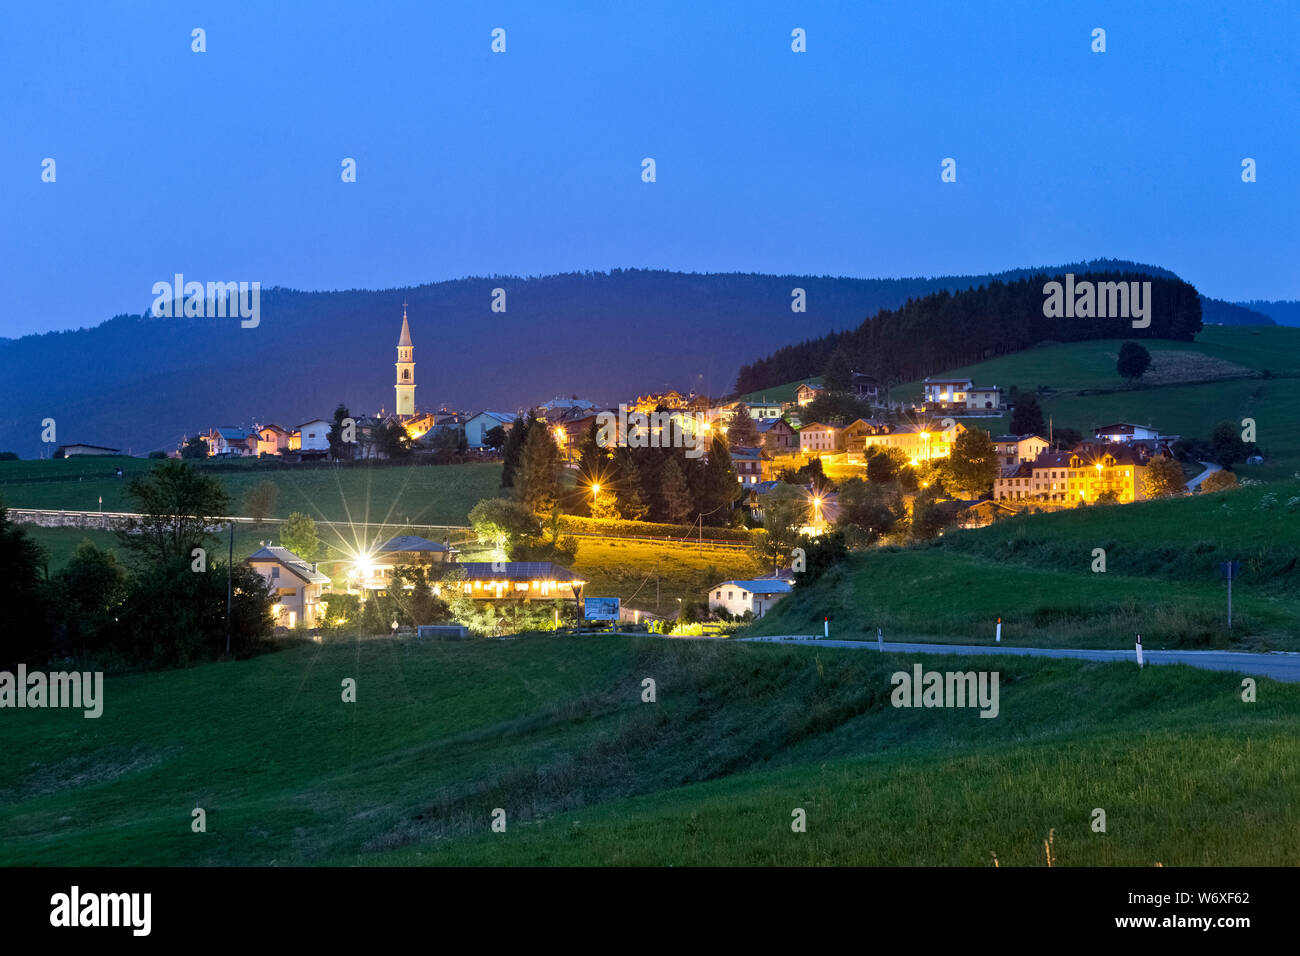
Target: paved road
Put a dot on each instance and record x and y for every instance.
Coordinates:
(1279, 666)
(1210, 468)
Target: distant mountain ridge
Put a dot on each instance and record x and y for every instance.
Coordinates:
(142, 383)
(1284, 312)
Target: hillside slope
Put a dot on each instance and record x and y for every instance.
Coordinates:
(1036, 573)
(554, 732)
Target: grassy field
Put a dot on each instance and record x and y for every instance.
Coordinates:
(631, 570)
(780, 393)
(554, 732)
(1223, 351)
(1035, 572)
(421, 494)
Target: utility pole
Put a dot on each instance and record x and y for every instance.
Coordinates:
(230, 563)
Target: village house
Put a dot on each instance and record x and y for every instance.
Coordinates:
(295, 586)
(806, 392)
(866, 387)
(1014, 449)
(229, 442)
(918, 442)
(376, 571)
(1076, 477)
(765, 411)
(476, 428)
(817, 438)
(1124, 432)
(779, 438)
(272, 440)
(662, 400)
(755, 596)
(71, 451)
(751, 465)
(960, 395)
(512, 581)
(569, 427)
(313, 438)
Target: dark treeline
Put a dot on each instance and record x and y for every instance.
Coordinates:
(946, 330)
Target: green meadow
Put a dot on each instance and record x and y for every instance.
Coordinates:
(419, 494)
(555, 733)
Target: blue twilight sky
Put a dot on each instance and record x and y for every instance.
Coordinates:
(225, 165)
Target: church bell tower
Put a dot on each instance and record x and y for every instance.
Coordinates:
(405, 370)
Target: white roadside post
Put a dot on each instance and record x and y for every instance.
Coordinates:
(826, 627)
(1139, 650)
(880, 639)
(999, 635)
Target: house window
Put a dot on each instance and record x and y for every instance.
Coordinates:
(275, 574)
(729, 595)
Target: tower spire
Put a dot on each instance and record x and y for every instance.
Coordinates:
(405, 387)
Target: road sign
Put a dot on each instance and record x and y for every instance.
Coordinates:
(1230, 569)
(600, 609)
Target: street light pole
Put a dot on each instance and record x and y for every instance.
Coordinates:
(230, 563)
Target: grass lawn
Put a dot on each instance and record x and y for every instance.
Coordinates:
(630, 570)
(554, 731)
(422, 494)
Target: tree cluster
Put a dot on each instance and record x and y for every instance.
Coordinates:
(946, 330)
(164, 606)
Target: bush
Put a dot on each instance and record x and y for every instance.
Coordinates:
(1219, 481)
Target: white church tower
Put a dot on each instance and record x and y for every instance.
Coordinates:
(405, 370)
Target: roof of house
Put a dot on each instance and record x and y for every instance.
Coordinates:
(759, 586)
(821, 425)
(812, 387)
(947, 381)
(762, 487)
(1122, 428)
(410, 542)
(233, 434)
(746, 454)
(286, 558)
(1052, 459)
(1090, 452)
(516, 571)
(82, 444)
(276, 428)
(313, 421)
(502, 417)
(1018, 438)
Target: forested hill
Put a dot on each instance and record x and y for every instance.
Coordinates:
(946, 329)
(140, 383)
